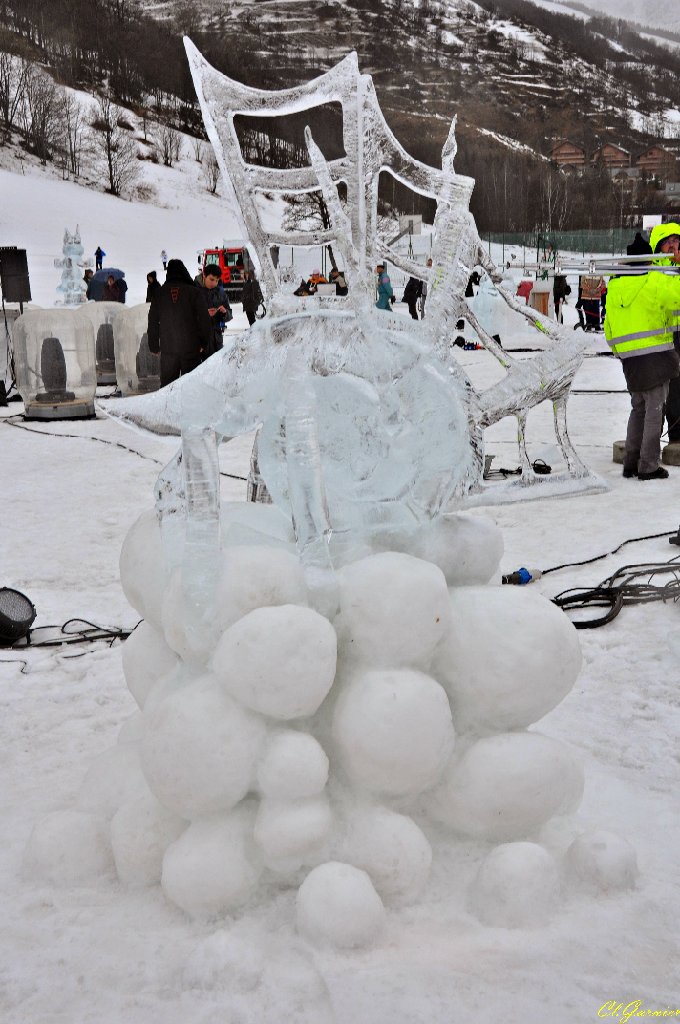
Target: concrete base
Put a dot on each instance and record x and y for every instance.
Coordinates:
(671, 454)
(619, 450)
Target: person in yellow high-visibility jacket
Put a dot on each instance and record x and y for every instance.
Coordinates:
(665, 238)
(641, 316)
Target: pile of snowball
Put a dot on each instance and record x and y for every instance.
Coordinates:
(275, 747)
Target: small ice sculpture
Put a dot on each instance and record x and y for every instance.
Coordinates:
(71, 288)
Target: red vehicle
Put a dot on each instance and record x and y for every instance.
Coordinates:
(233, 261)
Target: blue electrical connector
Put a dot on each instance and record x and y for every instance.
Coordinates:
(522, 576)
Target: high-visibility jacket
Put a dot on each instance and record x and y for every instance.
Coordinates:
(641, 315)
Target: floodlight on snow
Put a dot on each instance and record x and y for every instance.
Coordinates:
(16, 615)
(102, 315)
(55, 364)
(137, 368)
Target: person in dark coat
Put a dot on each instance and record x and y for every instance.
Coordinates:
(99, 255)
(112, 291)
(153, 285)
(560, 291)
(251, 296)
(217, 301)
(412, 292)
(179, 325)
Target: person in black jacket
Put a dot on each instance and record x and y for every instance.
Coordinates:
(251, 296)
(153, 285)
(219, 309)
(179, 325)
(412, 293)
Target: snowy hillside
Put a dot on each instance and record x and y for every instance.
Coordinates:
(652, 13)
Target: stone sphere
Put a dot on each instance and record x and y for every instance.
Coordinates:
(293, 765)
(278, 661)
(146, 659)
(517, 886)
(603, 861)
(509, 657)
(467, 547)
(393, 731)
(394, 610)
(200, 750)
(338, 906)
(212, 868)
(392, 850)
(505, 787)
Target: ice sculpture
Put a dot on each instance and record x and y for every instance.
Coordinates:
(71, 288)
(312, 688)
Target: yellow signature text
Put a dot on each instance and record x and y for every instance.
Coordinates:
(625, 1012)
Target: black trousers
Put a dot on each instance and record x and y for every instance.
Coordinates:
(412, 308)
(174, 365)
(250, 313)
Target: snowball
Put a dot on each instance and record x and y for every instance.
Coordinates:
(175, 681)
(294, 833)
(293, 765)
(114, 777)
(395, 609)
(68, 848)
(146, 659)
(143, 575)
(603, 861)
(254, 523)
(200, 749)
(337, 905)
(392, 850)
(506, 786)
(508, 658)
(249, 577)
(212, 868)
(467, 548)
(393, 731)
(141, 830)
(517, 886)
(279, 661)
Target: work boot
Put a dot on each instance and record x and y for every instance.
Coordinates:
(629, 471)
(659, 474)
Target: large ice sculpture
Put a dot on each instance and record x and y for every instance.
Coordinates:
(317, 706)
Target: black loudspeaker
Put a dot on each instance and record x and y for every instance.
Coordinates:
(14, 281)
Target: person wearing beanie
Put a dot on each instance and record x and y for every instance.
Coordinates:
(639, 328)
(179, 325)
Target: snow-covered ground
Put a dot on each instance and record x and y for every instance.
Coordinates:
(103, 953)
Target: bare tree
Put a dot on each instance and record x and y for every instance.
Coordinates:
(41, 113)
(198, 150)
(13, 75)
(75, 127)
(211, 172)
(117, 148)
(169, 142)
